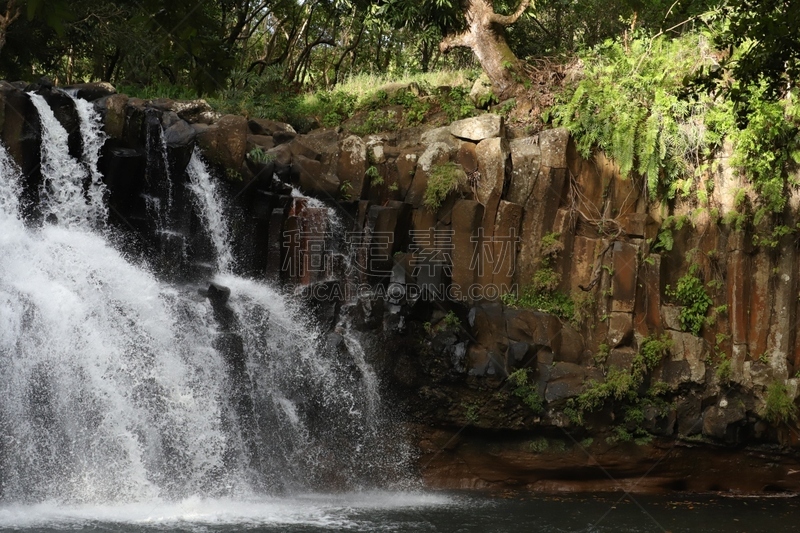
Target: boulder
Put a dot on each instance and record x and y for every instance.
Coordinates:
(686, 347)
(92, 91)
(112, 109)
(467, 157)
(440, 135)
(311, 178)
(261, 126)
(717, 418)
(225, 142)
(180, 139)
(189, 110)
(478, 128)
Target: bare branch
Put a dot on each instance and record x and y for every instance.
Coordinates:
(507, 20)
(454, 41)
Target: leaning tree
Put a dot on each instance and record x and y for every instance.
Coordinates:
(474, 24)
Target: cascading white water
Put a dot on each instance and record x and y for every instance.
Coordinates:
(93, 138)
(118, 387)
(62, 192)
(110, 388)
(283, 351)
(211, 209)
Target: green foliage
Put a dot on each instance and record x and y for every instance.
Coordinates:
(451, 320)
(443, 180)
(258, 155)
(346, 190)
(692, 295)
(629, 105)
(525, 390)
(472, 412)
(374, 175)
(622, 385)
(233, 175)
(768, 144)
(603, 351)
(779, 408)
(554, 302)
(723, 371)
(539, 445)
(457, 104)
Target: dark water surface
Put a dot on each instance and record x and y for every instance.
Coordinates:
(412, 512)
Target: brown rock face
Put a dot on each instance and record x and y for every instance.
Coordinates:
(352, 165)
(467, 217)
(114, 123)
(225, 142)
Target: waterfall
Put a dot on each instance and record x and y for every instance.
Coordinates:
(62, 193)
(93, 138)
(211, 210)
(311, 377)
(119, 387)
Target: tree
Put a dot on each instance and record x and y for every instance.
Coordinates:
(473, 24)
(11, 14)
(767, 36)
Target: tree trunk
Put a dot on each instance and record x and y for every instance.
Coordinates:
(11, 14)
(484, 36)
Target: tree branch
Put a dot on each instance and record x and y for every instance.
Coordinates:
(454, 41)
(507, 20)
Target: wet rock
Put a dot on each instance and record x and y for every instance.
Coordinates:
(621, 358)
(180, 139)
(478, 128)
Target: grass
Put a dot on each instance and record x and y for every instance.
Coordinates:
(364, 87)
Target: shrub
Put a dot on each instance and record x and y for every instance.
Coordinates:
(258, 155)
(780, 408)
(526, 391)
(692, 295)
(443, 180)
